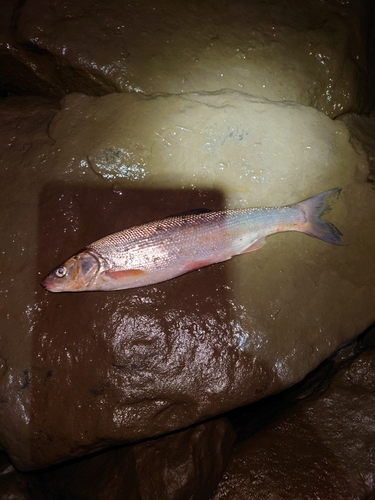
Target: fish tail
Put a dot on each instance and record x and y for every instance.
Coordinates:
(314, 208)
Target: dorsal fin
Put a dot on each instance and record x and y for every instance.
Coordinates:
(194, 211)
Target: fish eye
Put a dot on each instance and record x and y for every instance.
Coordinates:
(60, 272)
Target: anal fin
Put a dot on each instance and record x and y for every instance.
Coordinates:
(255, 246)
(192, 266)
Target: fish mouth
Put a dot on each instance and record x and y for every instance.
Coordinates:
(48, 284)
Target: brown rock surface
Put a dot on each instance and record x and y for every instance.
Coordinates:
(310, 52)
(313, 440)
(324, 447)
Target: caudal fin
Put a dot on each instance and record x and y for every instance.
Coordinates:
(314, 208)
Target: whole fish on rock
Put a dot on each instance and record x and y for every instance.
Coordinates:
(163, 249)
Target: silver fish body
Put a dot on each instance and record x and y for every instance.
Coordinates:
(164, 249)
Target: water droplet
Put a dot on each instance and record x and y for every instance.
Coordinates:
(117, 189)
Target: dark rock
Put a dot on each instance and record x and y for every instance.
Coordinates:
(323, 445)
(13, 485)
(184, 465)
(314, 53)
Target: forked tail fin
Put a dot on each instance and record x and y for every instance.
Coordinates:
(314, 208)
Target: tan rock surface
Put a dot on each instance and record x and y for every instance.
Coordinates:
(99, 369)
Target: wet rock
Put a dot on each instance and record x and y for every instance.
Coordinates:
(186, 464)
(319, 441)
(362, 129)
(13, 485)
(313, 52)
(156, 359)
(80, 374)
(102, 369)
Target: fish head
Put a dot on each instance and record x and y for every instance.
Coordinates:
(74, 275)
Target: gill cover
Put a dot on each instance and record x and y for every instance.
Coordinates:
(87, 267)
(76, 274)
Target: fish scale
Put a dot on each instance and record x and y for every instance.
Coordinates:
(191, 229)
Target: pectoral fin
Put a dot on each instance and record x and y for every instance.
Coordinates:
(128, 273)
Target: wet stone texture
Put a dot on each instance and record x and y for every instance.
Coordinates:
(211, 105)
(315, 440)
(312, 52)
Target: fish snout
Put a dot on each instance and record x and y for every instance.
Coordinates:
(49, 283)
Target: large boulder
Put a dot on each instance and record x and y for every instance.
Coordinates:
(82, 372)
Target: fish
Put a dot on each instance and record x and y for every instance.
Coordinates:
(164, 249)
